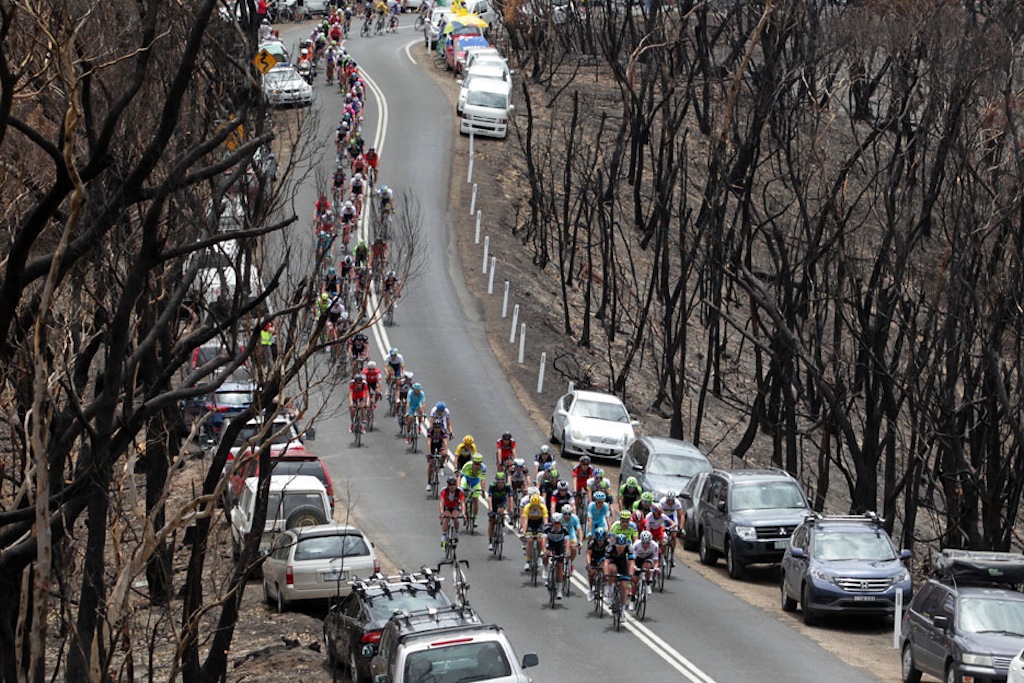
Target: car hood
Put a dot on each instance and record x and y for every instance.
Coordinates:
(859, 569)
(662, 483)
(996, 644)
(782, 517)
(593, 427)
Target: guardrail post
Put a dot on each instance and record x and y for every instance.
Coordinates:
(897, 621)
(487, 246)
(504, 302)
(515, 321)
(476, 236)
(472, 202)
(522, 342)
(490, 280)
(469, 173)
(540, 373)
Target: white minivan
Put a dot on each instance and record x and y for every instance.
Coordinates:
(487, 109)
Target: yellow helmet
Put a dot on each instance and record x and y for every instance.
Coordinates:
(468, 440)
(535, 499)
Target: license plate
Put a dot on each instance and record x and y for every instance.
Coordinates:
(603, 451)
(335, 576)
(781, 545)
(864, 598)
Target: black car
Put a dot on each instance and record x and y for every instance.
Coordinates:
(360, 617)
(966, 623)
(662, 465)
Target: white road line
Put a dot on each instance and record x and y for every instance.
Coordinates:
(672, 657)
(409, 54)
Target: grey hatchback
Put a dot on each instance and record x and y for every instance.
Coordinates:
(967, 624)
(662, 465)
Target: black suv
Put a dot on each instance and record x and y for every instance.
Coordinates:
(844, 564)
(966, 623)
(748, 516)
(359, 619)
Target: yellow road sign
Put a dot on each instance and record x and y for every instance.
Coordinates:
(264, 61)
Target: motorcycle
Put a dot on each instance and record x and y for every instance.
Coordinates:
(305, 70)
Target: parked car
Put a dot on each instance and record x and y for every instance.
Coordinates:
(445, 645)
(293, 460)
(359, 619)
(494, 73)
(455, 53)
(691, 497)
(591, 423)
(219, 289)
(843, 564)
(748, 516)
(967, 622)
(277, 49)
(487, 109)
(283, 85)
(662, 465)
(293, 501)
(223, 403)
(1016, 671)
(483, 9)
(433, 28)
(315, 563)
(282, 433)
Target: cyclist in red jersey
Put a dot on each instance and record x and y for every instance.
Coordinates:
(505, 451)
(358, 396)
(453, 502)
(372, 374)
(582, 472)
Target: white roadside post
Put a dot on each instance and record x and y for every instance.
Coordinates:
(504, 302)
(476, 236)
(515, 321)
(472, 202)
(897, 621)
(522, 342)
(540, 373)
(572, 385)
(490, 279)
(469, 173)
(487, 246)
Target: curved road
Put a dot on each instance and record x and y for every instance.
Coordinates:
(695, 631)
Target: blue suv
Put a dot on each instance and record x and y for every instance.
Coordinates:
(843, 564)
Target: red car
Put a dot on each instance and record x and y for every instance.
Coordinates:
(294, 460)
(455, 51)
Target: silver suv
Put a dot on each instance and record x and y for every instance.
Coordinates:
(445, 646)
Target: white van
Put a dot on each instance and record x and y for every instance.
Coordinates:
(487, 109)
(480, 71)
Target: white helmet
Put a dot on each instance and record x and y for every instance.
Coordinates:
(349, 204)
(646, 536)
(533, 491)
(556, 518)
(545, 448)
(371, 364)
(408, 375)
(357, 176)
(567, 509)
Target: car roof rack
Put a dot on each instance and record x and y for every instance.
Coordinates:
(425, 579)
(869, 516)
(435, 618)
(979, 567)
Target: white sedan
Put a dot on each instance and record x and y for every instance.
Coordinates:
(1016, 673)
(283, 85)
(316, 563)
(590, 423)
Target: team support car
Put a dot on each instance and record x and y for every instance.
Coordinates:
(359, 618)
(591, 423)
(315, 563)
(452, 644)
(844, 564)
(748, 516)
(662, 465)
(283, 85)
(966, 623)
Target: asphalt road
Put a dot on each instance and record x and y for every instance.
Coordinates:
(695, 631)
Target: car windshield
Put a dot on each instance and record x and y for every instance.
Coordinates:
(278, 509)
(767, 496)
(600, 410)
(676, 465)
(279, 437)
(331, 547)
(837, 546)
(991, 615)
(381, 609)
(457, 663)
(494, 100)
(278, 78)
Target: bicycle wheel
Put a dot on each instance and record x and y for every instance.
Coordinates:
(369, 418)
(616, 605)
(533, 565)
(599, 593)
(414, 438)
(365, 29)
(640, 601)
(499, 537)
(659, 580)
(552, 585)
(357, 431)
(670, 560)
(566, 578)
(471, 516)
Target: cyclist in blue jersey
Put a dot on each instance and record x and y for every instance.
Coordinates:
(598, 513)
(572, 520)
(416, 400)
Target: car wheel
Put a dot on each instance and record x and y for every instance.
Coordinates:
(687, 540)
(788, 603)
(732, 565)
(266, 594)
(307, 515)
(551, 434)
(907, 668)
(707, 555)
(805, 606)
(282, 604)
(353, 668)
(951, 676)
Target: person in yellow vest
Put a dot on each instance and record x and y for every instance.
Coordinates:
(268, 342)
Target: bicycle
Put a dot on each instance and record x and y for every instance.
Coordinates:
(668, 559)
(473, 502)
(452, 544)
(617, 607)
(534, 559)
(358, 426)
(414, 432)
(552, 582)
(421, 20)
(434, 475)
(459, 581)
(378, 29)
(389, 311)
(393, 24)
(566, 576)
(366, 28)
(497, 539)
(599, 592)
(640, 599)
(370, 414)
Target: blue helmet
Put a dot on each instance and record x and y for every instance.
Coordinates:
(330, 271)
(599, 497)
(393, 351)
(600, 534)
(441, 405)
(621, 539)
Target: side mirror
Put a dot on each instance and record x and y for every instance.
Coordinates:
(906, 554)
(459, 81)
(721, 506)
(797, 553)
(369, 651)
(685, 495)
(941, 622)
(529, 659)
(634, 423)
(310, 434)
(511, 108)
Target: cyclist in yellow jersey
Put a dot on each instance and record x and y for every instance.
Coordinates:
(535, 516)
(464, 452)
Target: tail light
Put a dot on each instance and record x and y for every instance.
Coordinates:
(370, 638)
(376, 566)
(289, 577)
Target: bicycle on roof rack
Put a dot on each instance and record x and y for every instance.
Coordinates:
(459, 580)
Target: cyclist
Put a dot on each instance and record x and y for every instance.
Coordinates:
(330, 283)
(441, 413)
(392, 288)
(415, 399)
(541, 458)
(394, 11)
(338, 186)
(547, 482)
(639, 521)
(358, 397)
(581, 473)
(380, 254)
(372, 374)
(356, 187)
(629, 493)
(619, 566)
(561, 496)
(572, 521)
(404, 387)
(321, 206)
(646, 558)
(465, 451)
(435, 441)
(596, 549)
(556, 533)
(533, 518)
(498, 495)
(660, 525)
(347, 216)
(453, 502)
(361, 254)
(505, 450)
(624, 526)
(474, 475)
(372, 160)
(673, 509)
(334, 314)
(643, 505)
(394, 365)
(518, 474)
(598, 513)
(358, 348)
(601, 483)
(323, 304)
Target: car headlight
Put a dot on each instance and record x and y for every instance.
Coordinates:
(822, 575)
(902, 576)
(977, 660)
(577, 435)
(746, 533)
